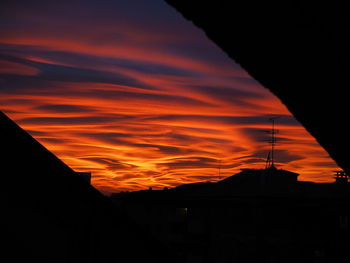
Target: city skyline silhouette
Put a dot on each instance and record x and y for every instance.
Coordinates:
(169, 131)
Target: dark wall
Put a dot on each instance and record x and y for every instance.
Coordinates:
(297, 49)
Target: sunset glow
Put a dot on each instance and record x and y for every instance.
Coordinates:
(137, 95)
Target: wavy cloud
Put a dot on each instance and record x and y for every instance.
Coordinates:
(135, 94)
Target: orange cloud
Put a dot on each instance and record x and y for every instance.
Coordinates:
(139, 106)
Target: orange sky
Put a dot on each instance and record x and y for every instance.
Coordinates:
(140, 97)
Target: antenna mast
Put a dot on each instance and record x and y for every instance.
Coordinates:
(273, 141)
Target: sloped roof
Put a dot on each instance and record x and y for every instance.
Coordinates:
(255, 174)
(53, 215)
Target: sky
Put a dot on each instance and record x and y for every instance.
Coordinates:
(136, 94)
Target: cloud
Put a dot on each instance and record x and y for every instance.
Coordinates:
(111, 164)
(135, 94)
(63, 108)
(88, 120)
(281, 156)
(193, 162)
(13, 68)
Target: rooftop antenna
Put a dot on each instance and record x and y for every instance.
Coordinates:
(271, 157)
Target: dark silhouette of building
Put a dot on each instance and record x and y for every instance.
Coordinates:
(85, 175)
(300, 51)
(257, 215)
(49, 213)
(341, 177)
